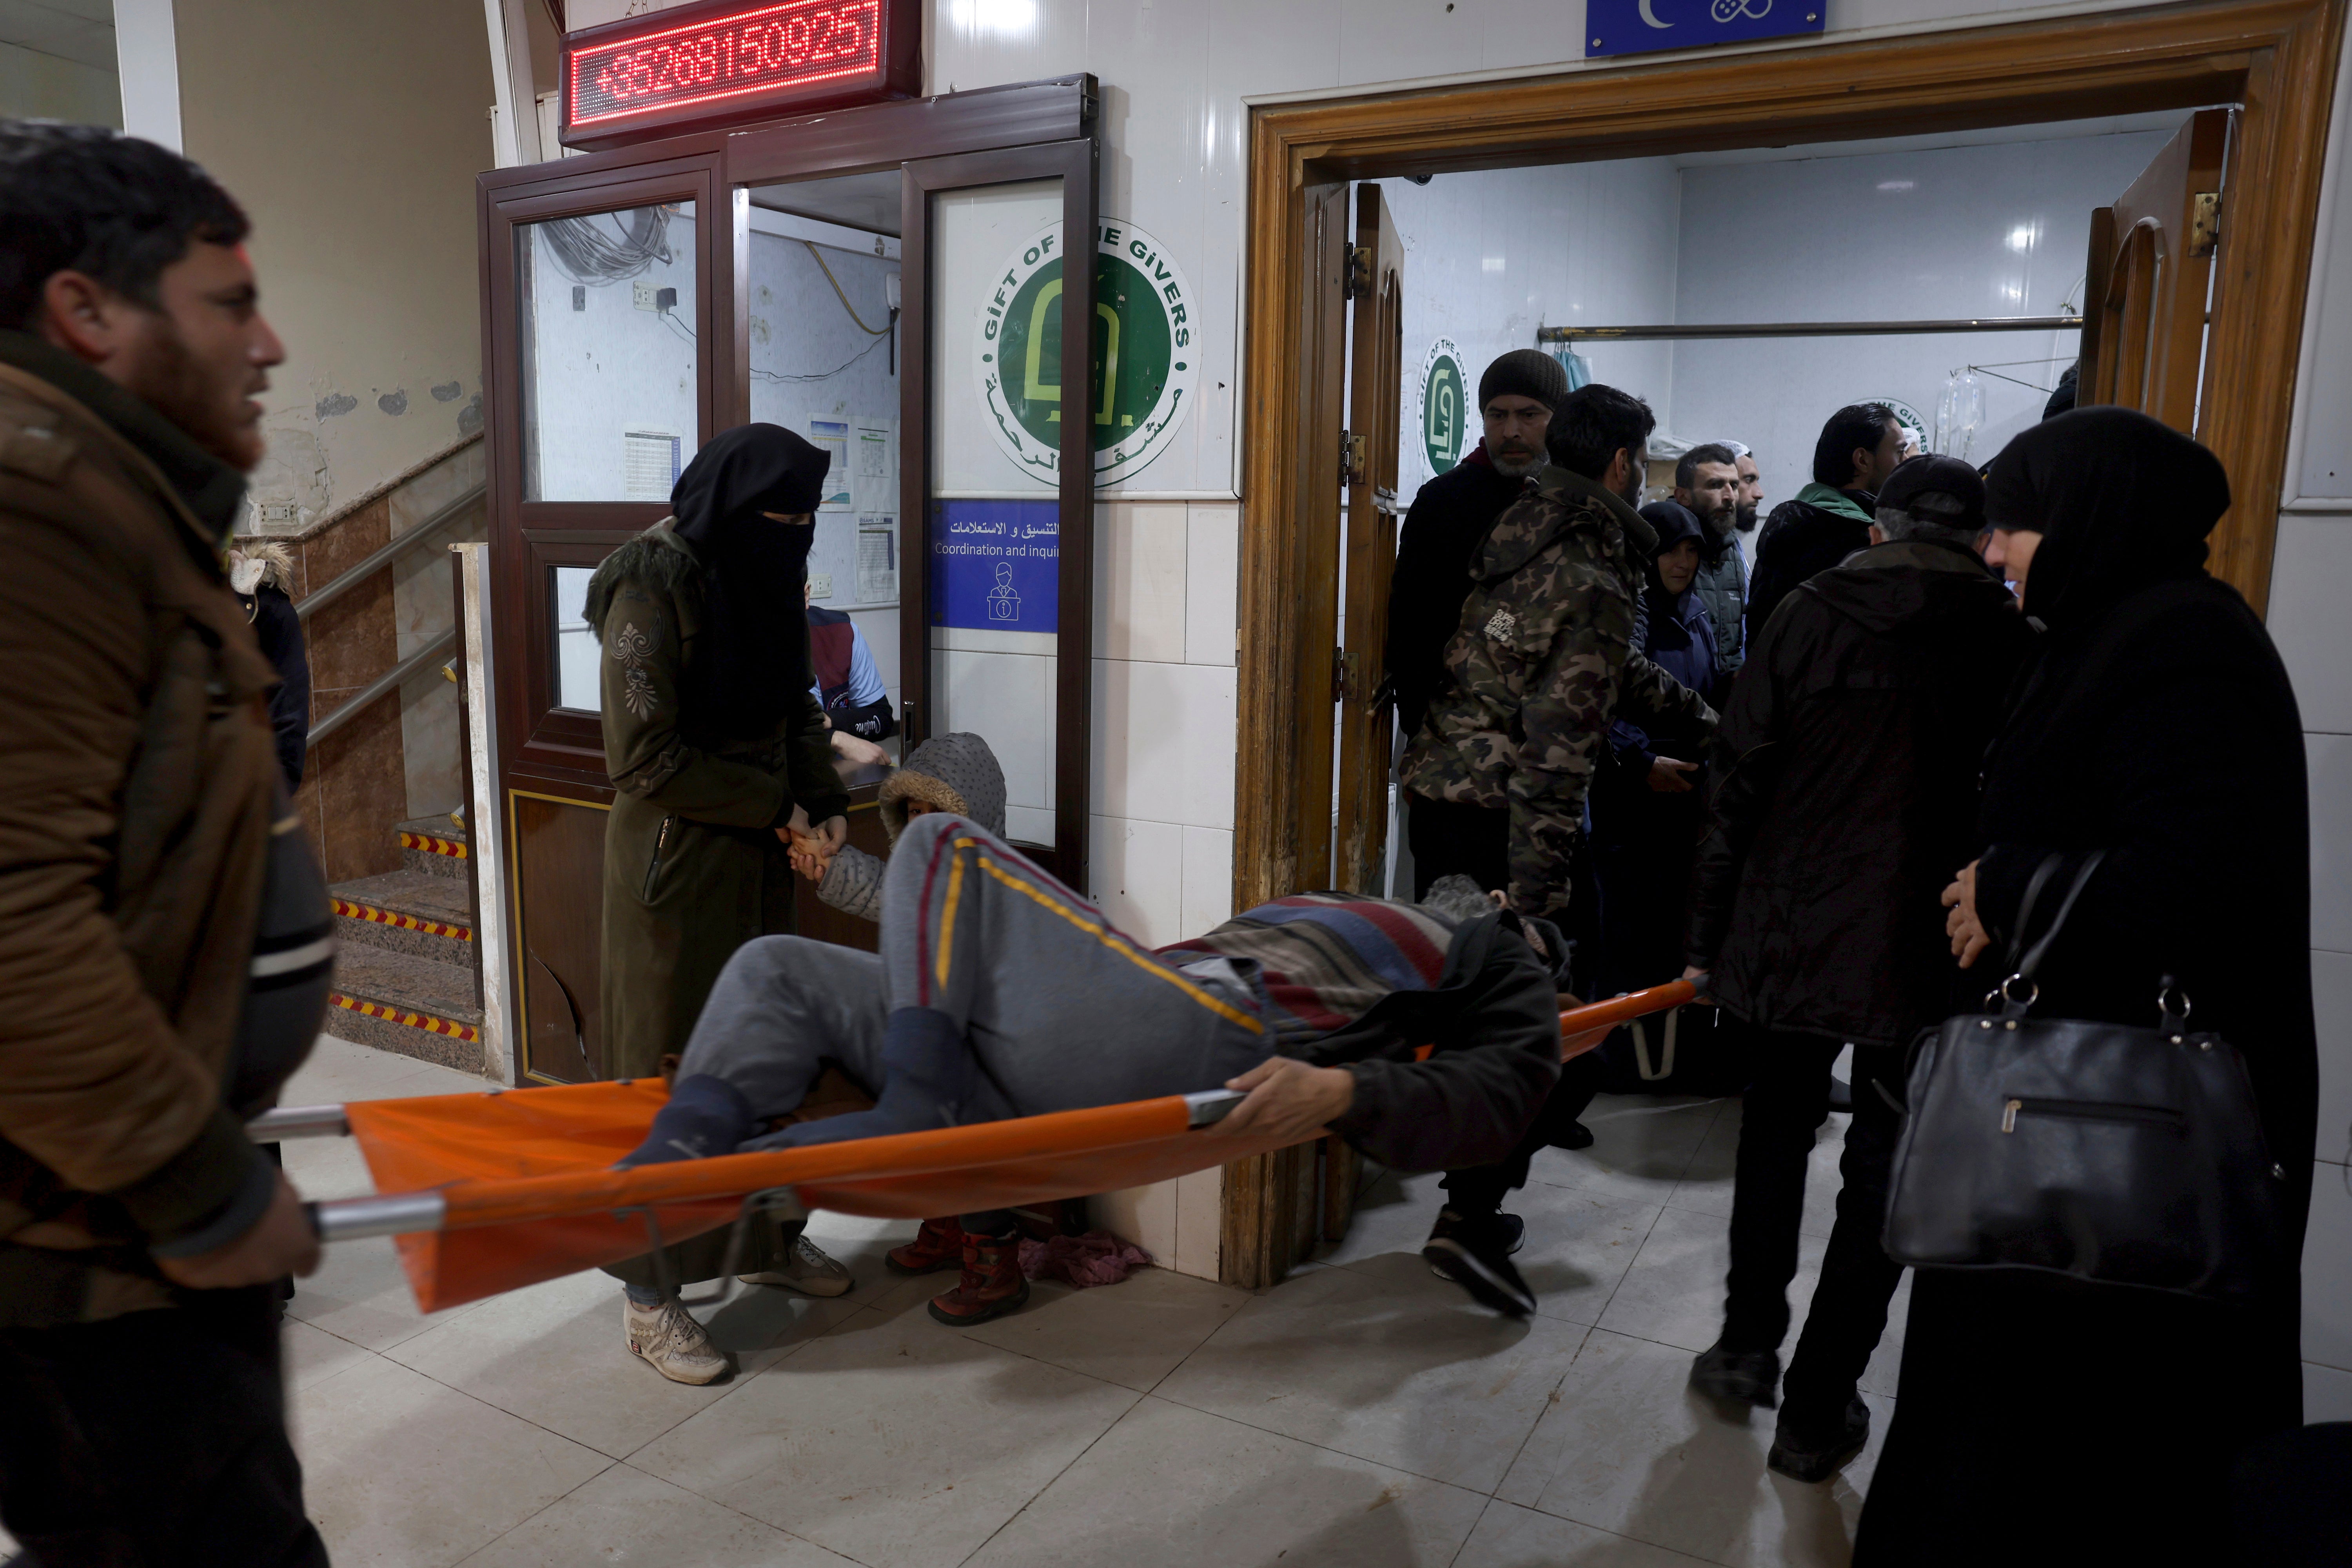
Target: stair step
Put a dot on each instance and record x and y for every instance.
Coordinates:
(434, 845)
(408, 911)
(398, 1002)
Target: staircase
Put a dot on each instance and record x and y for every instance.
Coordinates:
(407, 966)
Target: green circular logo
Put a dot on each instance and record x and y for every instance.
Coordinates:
(1144, 355)
(1444, 406)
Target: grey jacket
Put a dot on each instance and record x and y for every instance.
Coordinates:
(1722, 586)
(954, 773)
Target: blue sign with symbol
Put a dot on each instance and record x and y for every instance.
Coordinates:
(997, 565)
(1637, 27)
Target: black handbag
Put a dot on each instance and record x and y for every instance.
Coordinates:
(2108, 1153)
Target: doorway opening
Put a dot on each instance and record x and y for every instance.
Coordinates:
(1608, 215)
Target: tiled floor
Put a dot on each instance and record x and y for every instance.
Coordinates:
(1361, 1414)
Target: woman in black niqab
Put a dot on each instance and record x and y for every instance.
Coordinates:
(2040, 1420)
(727, 505)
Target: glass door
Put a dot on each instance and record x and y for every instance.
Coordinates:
(603, 353)
(999, 499)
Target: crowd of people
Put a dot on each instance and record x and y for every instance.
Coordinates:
(1828, 785)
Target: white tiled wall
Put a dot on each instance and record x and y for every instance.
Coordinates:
(1162, 845)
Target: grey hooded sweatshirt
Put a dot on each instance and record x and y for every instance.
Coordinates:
(954, 773)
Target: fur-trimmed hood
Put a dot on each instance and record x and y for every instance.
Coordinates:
(657, 557)
(954, 773)
(258, 563)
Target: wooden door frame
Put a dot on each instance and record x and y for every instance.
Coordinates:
(2276, 57)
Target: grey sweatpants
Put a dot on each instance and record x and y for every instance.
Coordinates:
(1062, 1011)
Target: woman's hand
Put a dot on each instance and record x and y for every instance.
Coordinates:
(1668, 776)
(1968, 932)
(1289, 1101)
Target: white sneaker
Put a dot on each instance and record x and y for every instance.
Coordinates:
(807, 1270)
(668, 1337)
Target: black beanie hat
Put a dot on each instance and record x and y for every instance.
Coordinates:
(1524, 373)
(1941, 475)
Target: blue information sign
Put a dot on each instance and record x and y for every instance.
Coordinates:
(1636, 27)
(997, 564)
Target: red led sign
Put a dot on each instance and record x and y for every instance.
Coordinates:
(706, 64)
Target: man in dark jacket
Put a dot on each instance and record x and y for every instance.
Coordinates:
(1830, 519)
(1708, 486)
(166, 944)
(1451, 516)
(1847, 763)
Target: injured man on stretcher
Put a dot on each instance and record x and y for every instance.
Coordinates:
(999, 992)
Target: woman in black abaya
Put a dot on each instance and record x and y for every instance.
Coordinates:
(2040, 1420)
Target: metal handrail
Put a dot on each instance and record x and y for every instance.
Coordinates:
(378, 560)
(438, 648)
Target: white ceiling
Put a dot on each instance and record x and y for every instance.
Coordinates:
(2058, 131)
(78, 30)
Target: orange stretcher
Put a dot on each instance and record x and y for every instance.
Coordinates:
(490, 1192)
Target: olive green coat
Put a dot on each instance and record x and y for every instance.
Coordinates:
(693, 868)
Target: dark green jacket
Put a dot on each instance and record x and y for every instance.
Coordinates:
(1543, 660)
(693, 868)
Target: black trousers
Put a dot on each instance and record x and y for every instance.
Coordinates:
(1481, 1189)
(154, 1440)
(1788, 1101)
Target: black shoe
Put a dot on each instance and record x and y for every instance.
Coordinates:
(1803, 1452)
(1474, 1252)
(1738, 1377)
(1575, 1135)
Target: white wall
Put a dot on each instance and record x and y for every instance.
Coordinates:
(352, 134)
(1999, 230)
(2311, 583)
(1493, 254)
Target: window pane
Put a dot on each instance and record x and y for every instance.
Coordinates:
(995, 509)
(607, 310)
(576, 667)
(825, 361)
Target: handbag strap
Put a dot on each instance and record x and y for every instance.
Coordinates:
(2042, 875)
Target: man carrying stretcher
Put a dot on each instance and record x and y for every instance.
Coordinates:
(999, 992)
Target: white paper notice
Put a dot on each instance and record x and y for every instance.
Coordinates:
(878, 560)
(833, 436)
(648, 465)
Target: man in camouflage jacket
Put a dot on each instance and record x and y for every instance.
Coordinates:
(1546, 653)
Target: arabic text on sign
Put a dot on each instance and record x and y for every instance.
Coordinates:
(789, 45)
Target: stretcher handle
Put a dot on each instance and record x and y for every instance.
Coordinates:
(1633, 1005)
(299, 1121)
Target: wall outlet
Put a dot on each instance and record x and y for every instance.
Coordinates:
(641, 295)
(270, 511)
(820, 587)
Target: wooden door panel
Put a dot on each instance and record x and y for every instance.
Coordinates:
(1374, 397)
(558, 880)
(2151, 276)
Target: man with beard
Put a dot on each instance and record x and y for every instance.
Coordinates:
(165, 941)
(1752, 495)
(721, 759)
(1830, 518)
(1707, 485)
(1451, 516)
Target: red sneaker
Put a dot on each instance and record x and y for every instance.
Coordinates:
(939, 1244)
(992, 1286)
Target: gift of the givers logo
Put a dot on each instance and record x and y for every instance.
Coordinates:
(1444, 406)
(1146, 362)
